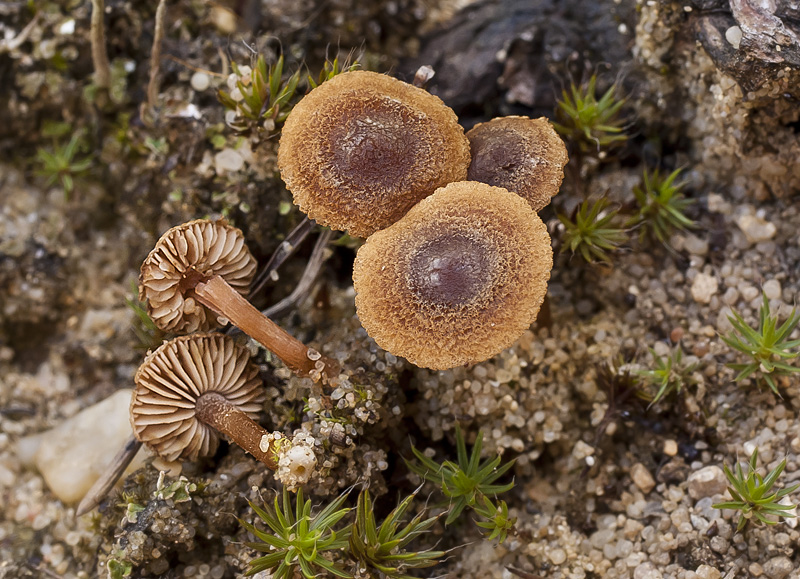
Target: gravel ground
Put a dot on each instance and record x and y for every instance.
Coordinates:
(604, 487)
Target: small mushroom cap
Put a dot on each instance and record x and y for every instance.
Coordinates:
(361, 149)
(173, 377)
(457, 280)
(523, 155)
(184, 255)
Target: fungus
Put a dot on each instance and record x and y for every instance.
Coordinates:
(523, 155)
(362, 148)
(457, 280)
(190, 389)
(199, 272)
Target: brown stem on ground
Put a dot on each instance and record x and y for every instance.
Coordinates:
(216, 294)
(110, 477)
(213, 409)
(102, 70)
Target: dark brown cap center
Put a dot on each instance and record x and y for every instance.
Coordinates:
(451, 271)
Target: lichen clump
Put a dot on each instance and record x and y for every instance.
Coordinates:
(457, 280)
(362, 148)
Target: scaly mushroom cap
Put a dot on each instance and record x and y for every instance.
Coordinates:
(184, 254)
(523, 155)
(361, 149)
(173, 377)
(457, 280)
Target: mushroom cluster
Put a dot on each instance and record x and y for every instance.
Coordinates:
(447, 277)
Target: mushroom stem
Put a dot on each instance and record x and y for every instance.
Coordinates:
(216, 294)
(213, 409)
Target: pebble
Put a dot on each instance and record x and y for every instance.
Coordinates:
(703, 287)
(557, 556)
(642, 478)
(647, 571)
(228, 160)
(200, 81)
(772, 289)
(778, 567)
(755, 228)
(73, 455)
(706, 482)
(707, 572)
(670, 447)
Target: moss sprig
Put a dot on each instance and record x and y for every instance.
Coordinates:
(752, 496)
(384, 547)
(591, 123)
(470, 483)
(592, 231)
(661, 206)
(767, 345)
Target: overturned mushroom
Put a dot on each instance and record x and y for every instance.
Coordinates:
(198, 273)
(457, 280)
(362, 148)
(194, 387)
(525, 156)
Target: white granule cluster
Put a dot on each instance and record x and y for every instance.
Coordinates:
(296, 461)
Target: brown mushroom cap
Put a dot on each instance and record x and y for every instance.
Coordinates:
(172, 379)
(457, 280)
(197, 249)
(361, 149)
(523, 155)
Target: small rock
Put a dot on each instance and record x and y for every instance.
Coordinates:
(703, 287)
(706, 482)
(670, 447)
(200, 81)
(695, 245)
(707, 572)
(642, 478)
(646, 571)
(772, 289)
(557, 556)
(581, 450)
(73, 455)
(756, 229)
(228, 160)
(778, 567)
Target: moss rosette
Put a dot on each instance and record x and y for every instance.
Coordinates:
(457, 280)
(520, 154)
(361, 149)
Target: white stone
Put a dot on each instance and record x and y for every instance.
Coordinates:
(642, 478)
(755, 228)
(73, 455)
(647, 571)
(557, 556)
(778, 567)
(228, 160)
(581, 450)
(703, 287)
(734, 36)
(772, 288)
(200, 81)
(707, 482)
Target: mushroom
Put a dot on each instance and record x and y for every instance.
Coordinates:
(198, 273)
(361, 149)
(457, 280)
(523, 155)
(192, 388)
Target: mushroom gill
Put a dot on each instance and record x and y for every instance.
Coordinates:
(190, 389)
(525, 156)
(362, 148)
(457, 280)
(185, 254)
